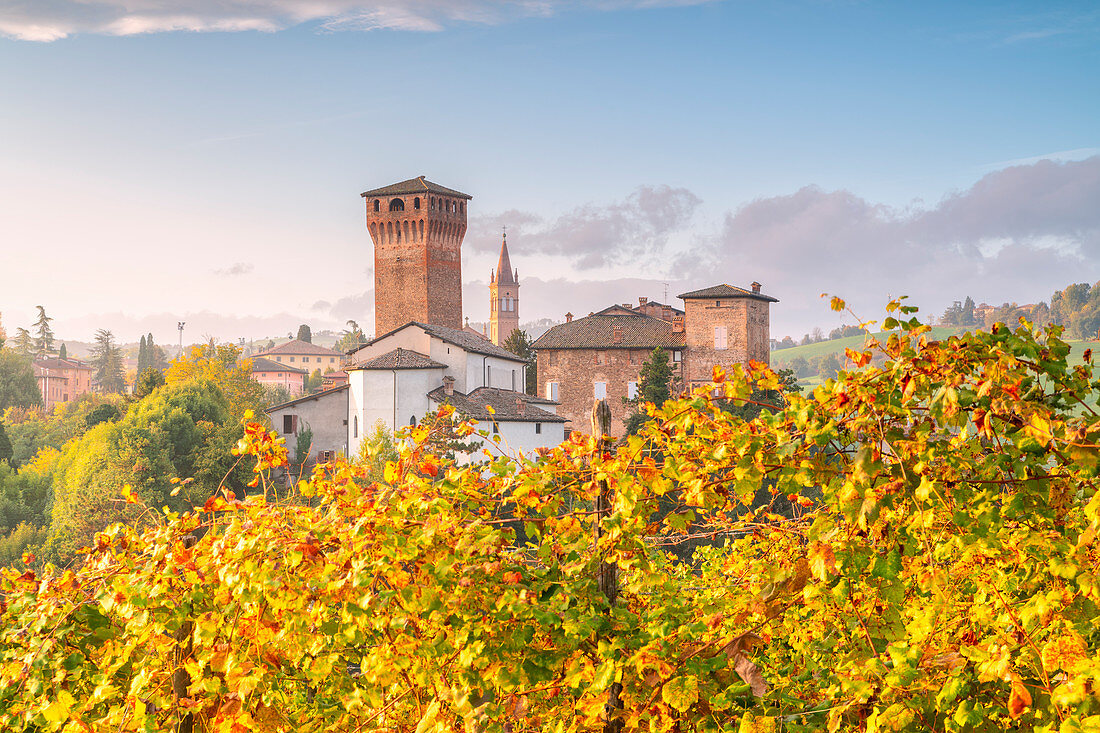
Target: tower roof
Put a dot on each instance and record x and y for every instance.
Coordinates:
(726, 291)
(420, 184)
(504, 265)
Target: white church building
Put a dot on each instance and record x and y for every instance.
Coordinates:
(398, 378)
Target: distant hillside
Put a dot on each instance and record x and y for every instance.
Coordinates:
(814, 363)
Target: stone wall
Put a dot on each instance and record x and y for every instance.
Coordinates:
(577, 370)
(746, 325)
(417, 259)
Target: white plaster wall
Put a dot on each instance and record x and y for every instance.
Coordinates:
(371, 399)
(500, 375)
(455, 359)
(412, 393)
(411, 338)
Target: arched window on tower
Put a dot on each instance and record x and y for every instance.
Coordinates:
(397, 205)
(416, 203)
(377, 205)
(461, 207)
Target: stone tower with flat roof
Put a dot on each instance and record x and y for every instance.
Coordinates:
(503, 297)
(417, 228)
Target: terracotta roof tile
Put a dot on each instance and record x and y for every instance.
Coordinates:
(415, 185)
(502, 401)
(400, 359)
(598, 331)
(461, 338)
(300, 347)
(306, 398)
(726, 291)
(260, 364)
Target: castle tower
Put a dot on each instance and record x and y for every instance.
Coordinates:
(503, 297)
(417, 228)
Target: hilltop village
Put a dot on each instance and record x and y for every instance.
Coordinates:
(423, 355)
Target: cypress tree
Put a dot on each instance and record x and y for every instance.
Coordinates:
(143, 356)
(63, 353)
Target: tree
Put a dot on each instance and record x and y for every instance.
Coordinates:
(314, 382)
(6, 451)
(183, 431)
(148, 381)
(304, 334)
(23, 342)
(3, 333)
(62, 352)
(18, 385)
(220, 364)
(154, 355)
(520, 344)
(655, 387)
(351, 337)
(107, 363)
(968, 316)
(303, 444)
(142, 360)
(43, 334)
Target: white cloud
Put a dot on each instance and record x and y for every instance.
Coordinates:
(51, 20)
(1015, 235)
(595, 236)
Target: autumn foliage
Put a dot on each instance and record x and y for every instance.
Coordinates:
(938, 571)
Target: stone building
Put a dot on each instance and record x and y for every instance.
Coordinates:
(601, 355)
(61, 380)
(304, 355)
(268, 372)
(503, 297)
(417, 227)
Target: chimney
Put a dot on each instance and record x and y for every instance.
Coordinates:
(449, 386)
(666, 313)
(677, 324)
(520, 406)
(642, 300)
(568, 317)
(617, 334)
(626, 306)
(756, 287)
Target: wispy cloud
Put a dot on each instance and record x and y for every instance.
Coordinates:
(234, 270)
(51, 20)
(594, 235)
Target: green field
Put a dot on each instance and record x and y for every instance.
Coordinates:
(782, 357)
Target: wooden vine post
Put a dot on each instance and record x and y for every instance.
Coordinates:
(180, 679)
(608, 578)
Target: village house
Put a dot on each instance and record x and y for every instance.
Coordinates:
(304, 355)
(600, 356)
(61, 380)
(268, 372)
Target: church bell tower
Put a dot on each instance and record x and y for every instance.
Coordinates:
(417, 228)
(503, 297)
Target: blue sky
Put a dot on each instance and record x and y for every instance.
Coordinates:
(150, 174)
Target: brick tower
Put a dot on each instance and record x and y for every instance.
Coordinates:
(503, 297)
(417, 227)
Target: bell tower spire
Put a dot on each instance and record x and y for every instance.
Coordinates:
(503, 296)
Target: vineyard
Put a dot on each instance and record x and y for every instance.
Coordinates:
(912, 546)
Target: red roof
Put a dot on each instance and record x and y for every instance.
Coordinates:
(296, 347)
